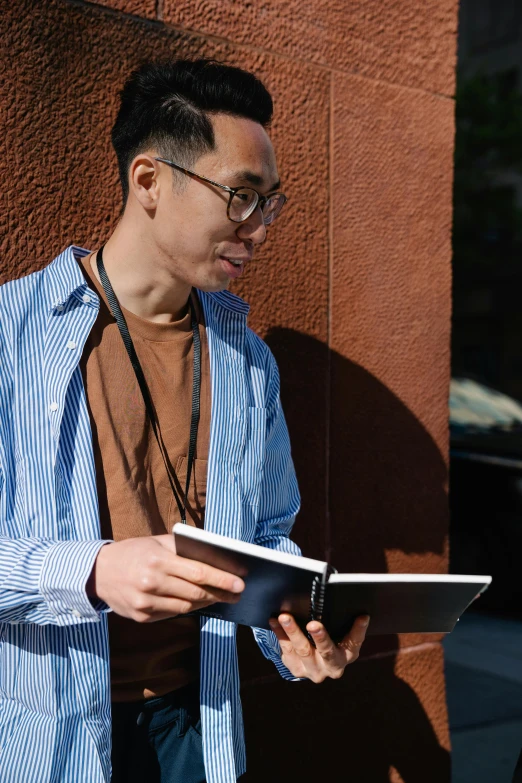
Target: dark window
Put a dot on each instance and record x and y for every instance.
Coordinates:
(493, 23)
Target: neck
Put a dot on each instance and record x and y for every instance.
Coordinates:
(142, 284)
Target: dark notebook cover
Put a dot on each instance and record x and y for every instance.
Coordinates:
(278, 582)
(275, 582)
(398, 603)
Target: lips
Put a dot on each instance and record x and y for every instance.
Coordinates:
(240, 259)
(233, 266)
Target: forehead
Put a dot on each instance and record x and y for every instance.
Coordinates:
(243, 145)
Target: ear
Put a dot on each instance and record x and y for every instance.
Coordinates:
(144, 184)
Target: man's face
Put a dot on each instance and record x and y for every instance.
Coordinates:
(191, 228)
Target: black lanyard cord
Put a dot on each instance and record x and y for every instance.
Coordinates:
(140, 377)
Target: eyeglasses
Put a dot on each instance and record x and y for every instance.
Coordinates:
(242, 201)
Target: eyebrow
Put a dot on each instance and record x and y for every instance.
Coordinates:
(255, 179)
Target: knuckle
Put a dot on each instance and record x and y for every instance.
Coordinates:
(197, 594)
(185, 606)
(153, 560)
(148, 581)
(329, 654)
(351, 646)
(198, 575)
(141, 617)
(142, 604)
(305, 652)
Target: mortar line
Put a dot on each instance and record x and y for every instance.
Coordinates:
(302, 61)
(212, 37)
(104, 9)
(328, 405)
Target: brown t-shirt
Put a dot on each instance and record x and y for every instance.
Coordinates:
(135, 497)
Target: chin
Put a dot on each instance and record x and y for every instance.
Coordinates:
(214, 286)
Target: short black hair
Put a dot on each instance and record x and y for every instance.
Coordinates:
(166, 105)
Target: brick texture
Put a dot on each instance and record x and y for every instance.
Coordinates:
(390, 327)
(402, 41)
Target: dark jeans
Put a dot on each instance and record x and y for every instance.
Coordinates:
(158, 740)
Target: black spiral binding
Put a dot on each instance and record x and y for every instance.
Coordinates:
(318, 595)
(317, 599)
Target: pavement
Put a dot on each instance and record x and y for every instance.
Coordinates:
(484, 690)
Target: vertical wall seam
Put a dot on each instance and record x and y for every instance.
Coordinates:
(328, 532)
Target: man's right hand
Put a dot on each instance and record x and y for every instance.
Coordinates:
(144, 579)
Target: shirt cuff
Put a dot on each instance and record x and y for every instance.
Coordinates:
(271, 649)
(66, 568)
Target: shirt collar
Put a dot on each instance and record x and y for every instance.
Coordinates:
(229, 301)
(65, 276)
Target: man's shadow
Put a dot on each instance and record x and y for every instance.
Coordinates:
(387, 498)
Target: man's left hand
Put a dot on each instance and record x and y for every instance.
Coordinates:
(326, 659)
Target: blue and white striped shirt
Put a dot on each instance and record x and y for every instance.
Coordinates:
(55, 714)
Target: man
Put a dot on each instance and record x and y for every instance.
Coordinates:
(123, 372)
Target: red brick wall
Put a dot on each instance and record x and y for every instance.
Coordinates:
(352, 291)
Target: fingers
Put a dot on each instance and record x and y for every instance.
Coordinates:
(282, 638)
(203, 575)
(174, 586)
(142, 579)
(324, 645)
(326, 659)
(291, 636)
(161, 597)
(149, 609)
(352, 642)
(301, 657)
(145, 608)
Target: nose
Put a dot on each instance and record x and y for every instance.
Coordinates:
(253, 229)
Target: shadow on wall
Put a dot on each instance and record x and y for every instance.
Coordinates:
(388, 492)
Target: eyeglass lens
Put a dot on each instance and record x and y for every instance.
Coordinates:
(244, 201)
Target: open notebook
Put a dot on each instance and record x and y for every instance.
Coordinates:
(312, 590)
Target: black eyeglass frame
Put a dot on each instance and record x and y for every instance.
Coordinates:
(260, 202)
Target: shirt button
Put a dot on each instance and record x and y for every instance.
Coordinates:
(76, 613)
(71, 344)
(86, 298)
(59, 307)
(53, 406)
